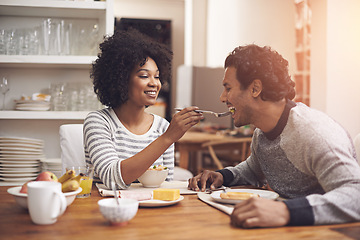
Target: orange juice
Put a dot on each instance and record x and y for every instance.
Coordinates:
(86, 185)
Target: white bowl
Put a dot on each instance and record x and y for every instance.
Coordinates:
(153, 178)
(21, 198)
(121, 214)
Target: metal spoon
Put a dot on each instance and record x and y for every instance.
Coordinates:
(209, 112)
(115, 193)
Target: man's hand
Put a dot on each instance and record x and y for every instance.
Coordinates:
(260, 212)
(204, 179)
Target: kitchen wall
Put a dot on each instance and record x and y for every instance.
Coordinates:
(335, 64)
(232, 23)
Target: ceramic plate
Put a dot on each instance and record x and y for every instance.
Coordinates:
(159, 203)
(17, 175)
(20, 149)
(20, 153)
(19, 180)
(17, 162)
(21, 157)
(33, 141)
(20, 145)
(19, 170)
(33, 108)
(262, 193)
(21, 198)
(32, 102)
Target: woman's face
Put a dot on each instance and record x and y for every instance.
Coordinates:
(144, 85)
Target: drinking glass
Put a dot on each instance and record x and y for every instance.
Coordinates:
(4, 85)
(46, 33)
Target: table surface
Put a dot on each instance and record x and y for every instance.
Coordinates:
(189, 219)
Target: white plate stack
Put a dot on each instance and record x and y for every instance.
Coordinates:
(20, 159)
(32, 105)
(53, 165)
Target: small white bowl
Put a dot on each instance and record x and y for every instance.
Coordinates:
(118, 215)
(21, 198)
(153, 178)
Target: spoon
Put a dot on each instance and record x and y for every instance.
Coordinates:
(115, 193)
(209, 112)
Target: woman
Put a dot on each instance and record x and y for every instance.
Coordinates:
(122, 141)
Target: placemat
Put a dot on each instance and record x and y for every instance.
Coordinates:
(205, 197)
(137, 187)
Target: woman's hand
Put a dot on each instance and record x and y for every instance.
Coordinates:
(182, 122)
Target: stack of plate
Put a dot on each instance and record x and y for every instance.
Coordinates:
(20, 159)
(53, 165)
(32, 105)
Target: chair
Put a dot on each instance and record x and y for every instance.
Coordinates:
(357, 146)
(73, 154)
(230, 151)
(71, 145)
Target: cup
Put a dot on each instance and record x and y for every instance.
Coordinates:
(86, 180)
(46, 202)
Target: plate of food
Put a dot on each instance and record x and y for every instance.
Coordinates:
(234, 196)
(159, 203)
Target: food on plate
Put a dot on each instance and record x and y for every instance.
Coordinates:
(166, 194)
(140, 196)
(66, 176)
(72, 184)
(238, 195)
(158, 168)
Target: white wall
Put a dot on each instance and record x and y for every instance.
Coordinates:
(340, 61)
(232, 23)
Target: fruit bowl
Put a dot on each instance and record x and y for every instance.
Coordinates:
(21, 198)
(153, 178)
(118, 215)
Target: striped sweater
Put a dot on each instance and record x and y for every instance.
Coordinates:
(107, 142)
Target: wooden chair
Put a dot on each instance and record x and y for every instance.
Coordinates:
(228, 152)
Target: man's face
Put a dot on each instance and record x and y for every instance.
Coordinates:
(236, 99)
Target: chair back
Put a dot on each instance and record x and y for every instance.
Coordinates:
(71, 145)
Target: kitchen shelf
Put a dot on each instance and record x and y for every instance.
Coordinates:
(16, 61)
(52, 8)
(48, 69)
(44, 115)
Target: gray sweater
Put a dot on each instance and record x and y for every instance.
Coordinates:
(309, 159)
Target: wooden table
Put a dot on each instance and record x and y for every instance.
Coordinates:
(189, 219)
(193, 142)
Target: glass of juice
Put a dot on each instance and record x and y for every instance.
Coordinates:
(86, 180)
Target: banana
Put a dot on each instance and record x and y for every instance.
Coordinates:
(68, 175)
(72, 184)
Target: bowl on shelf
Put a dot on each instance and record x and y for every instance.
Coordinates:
(21, 198)
(118, 215)
(153, 178)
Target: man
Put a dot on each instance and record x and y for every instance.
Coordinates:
(302, 154)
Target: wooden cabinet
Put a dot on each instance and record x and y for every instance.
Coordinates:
(35, 73)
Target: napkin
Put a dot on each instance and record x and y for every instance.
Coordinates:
(137, 188)
(205, 197)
